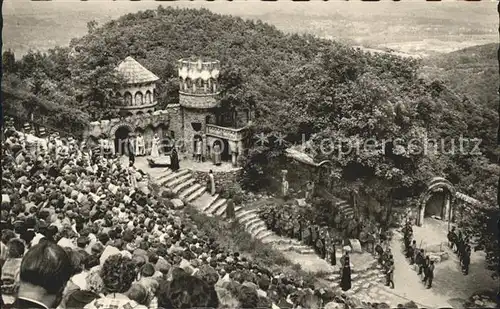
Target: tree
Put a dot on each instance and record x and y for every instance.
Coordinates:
(9, 62)
(92, 26)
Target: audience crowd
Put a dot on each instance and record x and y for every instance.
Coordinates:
(77, 234)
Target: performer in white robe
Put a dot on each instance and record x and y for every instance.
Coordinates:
(212, 182)
(154, 147)
(140, 145)
(132, 177)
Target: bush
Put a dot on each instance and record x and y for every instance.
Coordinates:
(234, 192)
(168, 194)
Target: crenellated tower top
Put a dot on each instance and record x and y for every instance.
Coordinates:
(198, 77)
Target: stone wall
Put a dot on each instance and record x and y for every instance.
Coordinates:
(176, 124)
(109, 127)
(298, 175)
(194, 116)
(222, 179)
(197, 101)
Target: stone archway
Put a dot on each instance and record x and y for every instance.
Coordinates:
(120, 134)
(437, 199)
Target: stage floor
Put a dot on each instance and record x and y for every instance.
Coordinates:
(142, 163)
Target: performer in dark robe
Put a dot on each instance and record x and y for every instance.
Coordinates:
(230, 209)
(466, 260)
(174, 160)
(131, 151)
(320, 247)
(345, 281)
(310, 235)
(333, 257)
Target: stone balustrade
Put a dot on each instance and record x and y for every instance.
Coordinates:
(225, 133)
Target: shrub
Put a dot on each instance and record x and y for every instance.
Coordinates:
(168, 194)
(234, 192)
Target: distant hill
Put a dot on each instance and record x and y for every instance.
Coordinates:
(408, 26)
(472, 71)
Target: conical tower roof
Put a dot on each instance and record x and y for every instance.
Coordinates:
(134, 72)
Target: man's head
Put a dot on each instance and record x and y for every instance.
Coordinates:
(45, 270)
(16, 248)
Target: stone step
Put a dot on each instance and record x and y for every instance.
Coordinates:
(163, 174)
(256, 231)
(174, 182)
(196, 194)
(303, 249)
(273, 238)
(255, 226)
(201, 202)
(245, 212)
(212, 200)
(250, 223)
(246, 216)
(284, 240)
(190, 190)
(183, 185)
(174, 175)
(264, 234)
(343, 205)
(221, 209)
(216, 204)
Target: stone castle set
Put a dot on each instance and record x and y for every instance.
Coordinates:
(197, 123)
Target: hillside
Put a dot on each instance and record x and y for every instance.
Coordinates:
(472, 72)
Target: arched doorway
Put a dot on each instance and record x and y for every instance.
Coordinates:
(225, 152)
(435, 205)
(437, 200)
(121, 135)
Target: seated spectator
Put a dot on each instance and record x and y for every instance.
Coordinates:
(79, 299)
(10, 270)
(118, 273)
(139, 294)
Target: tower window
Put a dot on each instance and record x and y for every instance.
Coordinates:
(138, 98)
(128, 98)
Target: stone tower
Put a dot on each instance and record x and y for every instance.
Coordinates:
(139, 93)
(197, 98)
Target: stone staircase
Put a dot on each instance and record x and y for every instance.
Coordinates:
(185, 187)
(362, 278)
(344, 207)
(181, 183)
(188, 190)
